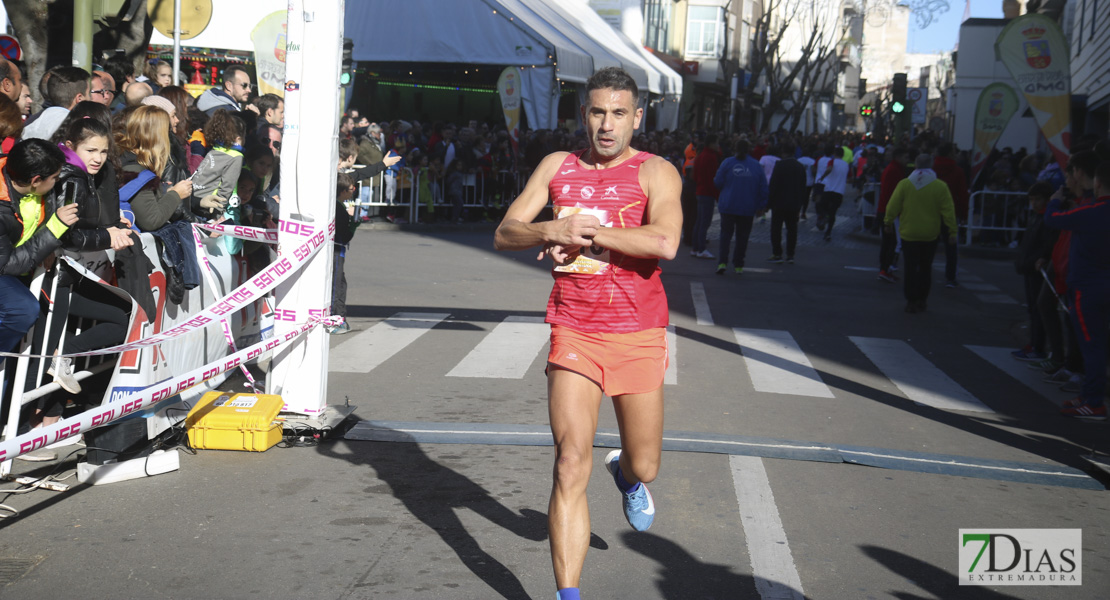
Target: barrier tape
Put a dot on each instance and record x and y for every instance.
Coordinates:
(202, 258)
(251, 290)
(256, 234)
(145, 398)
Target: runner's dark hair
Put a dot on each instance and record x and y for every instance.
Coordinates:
(613, 78)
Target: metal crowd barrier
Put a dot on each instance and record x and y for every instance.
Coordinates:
(997, 215)
(413, 189)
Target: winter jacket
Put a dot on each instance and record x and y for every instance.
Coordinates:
(743, 186)
(370, 153)
(893, 174)
(705, 168)
(179, 258)
(787, 187)
(218, 173)
(1089, 250)
(27, 236)
(922, 201)
(1036, 244)
(950, 173)
(215, 99)
(89, 233)
(155, 204)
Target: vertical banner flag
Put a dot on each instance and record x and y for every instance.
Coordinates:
(269, 39)
(1034, 50)
(997, 104)
(508, 87)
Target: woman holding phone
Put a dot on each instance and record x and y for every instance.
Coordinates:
(86, 145)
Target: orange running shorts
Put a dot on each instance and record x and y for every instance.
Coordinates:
(619, 363)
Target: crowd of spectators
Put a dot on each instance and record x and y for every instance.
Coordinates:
(112, 153)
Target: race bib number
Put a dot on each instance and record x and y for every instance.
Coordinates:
(592, 260)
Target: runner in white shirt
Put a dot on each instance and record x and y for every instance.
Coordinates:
(834, 176)
(811, 166)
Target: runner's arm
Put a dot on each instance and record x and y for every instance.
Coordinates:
(518, 232)
(660, 236)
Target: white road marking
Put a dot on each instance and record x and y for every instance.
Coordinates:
(852, 268)
(506, 352)
(776, 577)
(670, 376)
(776, 364)
(757, 270)
(701, 303)
(996, 299)
(917, 378)
(1032, 378)
(367, 350)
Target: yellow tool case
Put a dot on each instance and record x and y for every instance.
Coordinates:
(225, 421)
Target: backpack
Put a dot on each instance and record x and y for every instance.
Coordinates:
(128, 191)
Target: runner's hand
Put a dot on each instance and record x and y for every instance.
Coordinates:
(575, 230)
(121, 238)
(560, 255)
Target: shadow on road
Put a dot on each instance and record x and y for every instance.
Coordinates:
(938, 582)
(681, 576)
(433, 492)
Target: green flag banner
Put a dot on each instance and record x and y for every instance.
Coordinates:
(996, 106)
(1035, 52)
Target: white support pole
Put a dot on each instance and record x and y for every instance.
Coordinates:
(176, 40)
(308, 168)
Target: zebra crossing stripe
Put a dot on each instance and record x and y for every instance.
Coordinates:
(917, 378)
(364, 352)
(996, 298)
(776, 364)
(1032, 378)
(701, 303)
(506, 352)
(776, 577)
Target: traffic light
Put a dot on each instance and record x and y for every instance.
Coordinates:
(347, 73)
(898, 94)
(866, 110)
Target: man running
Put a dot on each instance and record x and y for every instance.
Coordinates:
(617, 212)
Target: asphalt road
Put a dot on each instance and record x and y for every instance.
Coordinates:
(783, 516)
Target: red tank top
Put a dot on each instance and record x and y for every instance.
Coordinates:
(605, 291)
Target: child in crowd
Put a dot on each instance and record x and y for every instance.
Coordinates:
(1034, 254)
(345, 225)
(215, 179)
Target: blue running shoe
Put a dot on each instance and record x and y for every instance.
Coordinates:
(639, 507)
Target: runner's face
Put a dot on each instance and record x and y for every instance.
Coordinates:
(611, 117)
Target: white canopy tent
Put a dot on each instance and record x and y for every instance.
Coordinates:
(548, 39)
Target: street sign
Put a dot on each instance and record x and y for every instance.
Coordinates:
(9, 48)
(918, 99)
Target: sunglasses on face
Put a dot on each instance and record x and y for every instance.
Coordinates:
(245, 85)
(275, 144)
(108, 93)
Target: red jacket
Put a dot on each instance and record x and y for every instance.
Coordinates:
(950, 173)
(892, 174)
(705, 169)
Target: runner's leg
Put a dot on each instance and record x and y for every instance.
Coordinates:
(573, 404)
(640, 419)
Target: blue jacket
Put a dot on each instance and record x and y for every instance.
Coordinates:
(1089, 252)
(743, 187)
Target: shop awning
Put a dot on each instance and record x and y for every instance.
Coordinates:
(472, 32)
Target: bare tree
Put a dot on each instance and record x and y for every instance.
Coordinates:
(129, 31)
(28, 19)
(792, 74)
